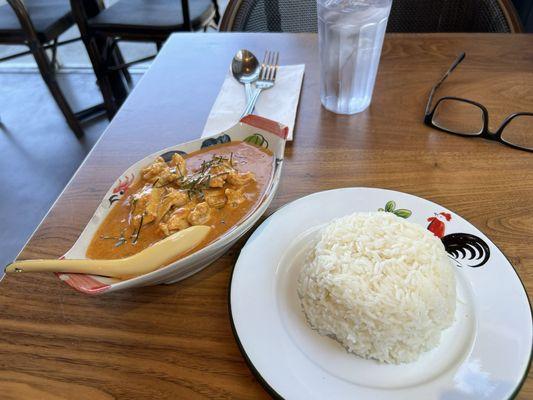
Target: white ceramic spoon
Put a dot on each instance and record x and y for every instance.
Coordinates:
(145, 261)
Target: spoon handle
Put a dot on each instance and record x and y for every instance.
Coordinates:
(248, 91)
(145, 261)
(65, 265)
(251, 104)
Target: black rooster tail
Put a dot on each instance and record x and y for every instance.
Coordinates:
(466, 250)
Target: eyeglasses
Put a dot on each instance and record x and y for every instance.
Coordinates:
(468, 118)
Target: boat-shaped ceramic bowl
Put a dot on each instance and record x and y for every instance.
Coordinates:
(252, 129)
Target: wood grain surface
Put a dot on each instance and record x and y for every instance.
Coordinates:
(175, 342)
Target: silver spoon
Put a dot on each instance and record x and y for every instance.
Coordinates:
(245, 68)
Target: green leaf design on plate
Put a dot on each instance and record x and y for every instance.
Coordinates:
(258, 140)
(381, 209)
(402, 213)
(390, 206)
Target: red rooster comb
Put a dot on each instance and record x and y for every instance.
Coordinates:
(446, 215)
(124, 185)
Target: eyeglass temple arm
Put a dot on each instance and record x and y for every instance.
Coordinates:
(450, 70)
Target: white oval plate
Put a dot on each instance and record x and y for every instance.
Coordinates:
(253, 129)
(485, 354)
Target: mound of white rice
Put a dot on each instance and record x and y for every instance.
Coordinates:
(382, 286)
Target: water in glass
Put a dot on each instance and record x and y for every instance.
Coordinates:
(350, 36)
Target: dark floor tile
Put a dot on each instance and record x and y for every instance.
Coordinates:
(38, 152)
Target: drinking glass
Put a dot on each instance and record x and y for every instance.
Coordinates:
(350, 34)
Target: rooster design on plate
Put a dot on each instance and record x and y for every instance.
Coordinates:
(466, 249)
(119, 190)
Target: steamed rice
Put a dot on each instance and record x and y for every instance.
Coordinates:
(382, 286)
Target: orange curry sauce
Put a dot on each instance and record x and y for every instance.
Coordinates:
(245, 157)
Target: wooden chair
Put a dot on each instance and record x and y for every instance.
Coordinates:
(133, 20)
(38, 25)
(406, 16)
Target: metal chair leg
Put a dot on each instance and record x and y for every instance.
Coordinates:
(121, 60)
(114, 89)
(48, 74)
(217, 12)
(103, 82)
(54, 62)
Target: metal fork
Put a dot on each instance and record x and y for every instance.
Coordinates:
(267, 78)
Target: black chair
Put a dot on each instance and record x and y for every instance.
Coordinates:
(133, 20)
(406, 16)
(38, 25)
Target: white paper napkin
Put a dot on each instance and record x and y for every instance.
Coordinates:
(278, 103)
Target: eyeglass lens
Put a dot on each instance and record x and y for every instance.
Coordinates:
(519, 131)
(459, 117)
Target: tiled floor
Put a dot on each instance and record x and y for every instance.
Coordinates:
(39, 153)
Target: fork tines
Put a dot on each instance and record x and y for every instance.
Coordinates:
(269, 67)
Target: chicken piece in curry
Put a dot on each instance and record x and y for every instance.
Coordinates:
(217, 186)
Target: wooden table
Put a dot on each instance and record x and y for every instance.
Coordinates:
(175, 342)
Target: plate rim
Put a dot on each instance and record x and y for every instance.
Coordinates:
(264, 383)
